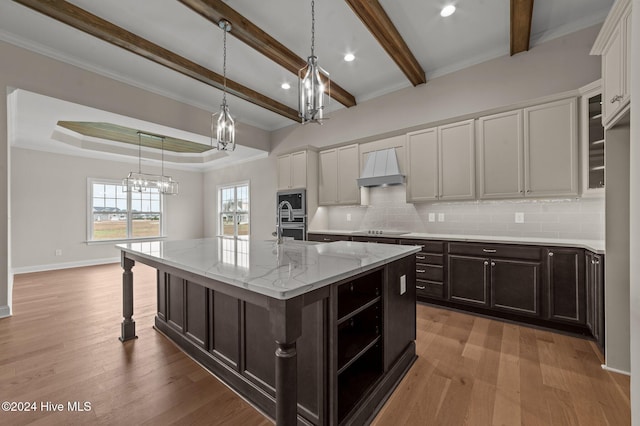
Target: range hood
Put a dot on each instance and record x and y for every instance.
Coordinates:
(381, 169)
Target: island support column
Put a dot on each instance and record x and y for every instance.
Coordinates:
(128, 327)
(286, 323)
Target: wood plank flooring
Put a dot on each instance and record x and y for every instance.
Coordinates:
(61, 345)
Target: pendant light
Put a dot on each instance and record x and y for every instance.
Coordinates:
(141, 182)
(225, 130)
(313, 83)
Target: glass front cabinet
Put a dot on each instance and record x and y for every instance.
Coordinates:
(592, 143)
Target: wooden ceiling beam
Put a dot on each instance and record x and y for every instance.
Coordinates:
(521, 15)
(82, 20)
(373, 16)
(252, 35)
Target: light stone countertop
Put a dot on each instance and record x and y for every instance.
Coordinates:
(279, 271)
(596, 246)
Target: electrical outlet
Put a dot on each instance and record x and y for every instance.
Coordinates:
(58, 252)
(440, 217)
(403, 284)
(519, 217)
(432, 217)
(348, 217)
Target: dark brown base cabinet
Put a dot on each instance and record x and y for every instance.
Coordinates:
(560, 288)
(357, 341)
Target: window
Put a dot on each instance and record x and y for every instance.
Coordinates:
(233, 210)
(118, 215)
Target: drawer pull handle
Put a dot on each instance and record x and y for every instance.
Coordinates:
(616, 99)
(489, 250)
(420, 257)
(420, 287)
(420, 271)
(327, 239)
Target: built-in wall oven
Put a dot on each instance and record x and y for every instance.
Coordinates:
(296, 228)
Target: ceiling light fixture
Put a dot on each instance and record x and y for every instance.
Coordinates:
(447, 10)
(349, 57)
(286, 86)
(226, 129)
(312, 86)
(141, 182)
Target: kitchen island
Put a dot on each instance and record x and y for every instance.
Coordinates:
(339, 317)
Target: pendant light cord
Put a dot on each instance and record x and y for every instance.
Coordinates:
(162, 145)
(224, 64)
(313, 27)
(139, 153)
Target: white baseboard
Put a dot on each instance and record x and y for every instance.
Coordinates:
(5, 311)
(615, 370)
(66, 265)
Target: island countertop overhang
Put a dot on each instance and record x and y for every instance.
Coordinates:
(279, 271)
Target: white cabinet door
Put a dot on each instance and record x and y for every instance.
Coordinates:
(456, 143)
(284, 171)
(348, 170)
(613, 75)
(299, 169)
(551, 149)
(500, 155)
(328, 178)
(422, 161)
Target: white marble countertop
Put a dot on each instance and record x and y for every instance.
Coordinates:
(279, 271)
(596, 246)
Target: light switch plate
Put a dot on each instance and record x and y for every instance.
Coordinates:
(403, 284)
(519, 217)
(432, 217)
(440, 217)
(348, 217)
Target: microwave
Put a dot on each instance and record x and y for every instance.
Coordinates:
(298, 200)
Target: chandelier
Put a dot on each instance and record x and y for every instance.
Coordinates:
(142, 182)
(313, 83)
(225, 130)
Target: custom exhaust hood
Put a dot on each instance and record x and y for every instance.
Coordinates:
(381, 169)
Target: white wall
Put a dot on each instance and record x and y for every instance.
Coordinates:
(262, 189)
(634, 298)
(545, 218)
(20, 68)
(49, 208)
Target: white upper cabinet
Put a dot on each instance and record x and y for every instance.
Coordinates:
(292, 170)
(614, 44)
(592, 140)
(422, 160)
(337, 176)
(530, 152)
(501, 155)
(551, 149)
(441, 163)
(456, 143)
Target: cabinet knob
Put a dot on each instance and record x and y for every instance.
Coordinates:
(616, 98)
(550, 254)
(597, 262)
(528, 191)
(593, 262)
(486, 262)
(493, 263)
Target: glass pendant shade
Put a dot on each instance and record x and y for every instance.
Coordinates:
(312, 90)
(225, 129)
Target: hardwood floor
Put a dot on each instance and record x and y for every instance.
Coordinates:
(61, 345)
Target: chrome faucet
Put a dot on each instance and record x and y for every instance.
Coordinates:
(279, 230)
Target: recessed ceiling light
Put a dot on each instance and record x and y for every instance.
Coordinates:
(286, 86)
(447, 10)
(349, 57)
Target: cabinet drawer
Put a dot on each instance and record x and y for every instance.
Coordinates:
(326, 238)
(494, 250)
(429, 272)
(429, 259)
(380, 240)
(427, 246)
(429, 289)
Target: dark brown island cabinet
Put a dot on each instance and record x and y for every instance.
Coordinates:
(560, 288)
(352, 340)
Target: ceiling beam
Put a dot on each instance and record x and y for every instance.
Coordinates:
(84, 21)
(250, 34)
(521, 14)
(379, 24)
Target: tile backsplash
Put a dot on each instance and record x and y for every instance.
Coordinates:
(546, 218)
